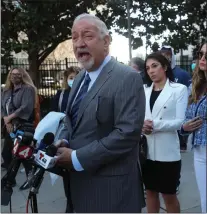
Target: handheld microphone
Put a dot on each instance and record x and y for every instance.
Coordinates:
(23, 146)
(37, 179)
(47, 139)
(45, 160)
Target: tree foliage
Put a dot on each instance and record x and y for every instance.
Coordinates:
(191, 27)
(185, 20)
(43, 24)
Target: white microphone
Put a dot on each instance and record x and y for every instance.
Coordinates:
(44, 160)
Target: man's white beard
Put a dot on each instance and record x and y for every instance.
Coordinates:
(87, 65)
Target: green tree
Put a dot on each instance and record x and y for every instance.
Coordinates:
(184, 19)
(191, 24)
(45, 24)
(147, 19)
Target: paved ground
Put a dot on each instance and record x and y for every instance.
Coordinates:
(51, 199)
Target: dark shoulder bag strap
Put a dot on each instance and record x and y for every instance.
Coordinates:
(12, 102)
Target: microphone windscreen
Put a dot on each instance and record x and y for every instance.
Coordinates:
(51, 150)
(48, 139)
(27, 138)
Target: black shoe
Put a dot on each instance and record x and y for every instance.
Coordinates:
(24, 186)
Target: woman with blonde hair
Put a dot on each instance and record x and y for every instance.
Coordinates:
(17, 107)
(196, 121)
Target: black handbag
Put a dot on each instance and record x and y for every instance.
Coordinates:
(143, 149)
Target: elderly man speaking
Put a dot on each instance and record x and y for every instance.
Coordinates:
(105, 115)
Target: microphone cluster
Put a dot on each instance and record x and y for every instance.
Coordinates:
(42, 159)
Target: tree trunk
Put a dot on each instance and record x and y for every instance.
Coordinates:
(34, 68)
(129, 29)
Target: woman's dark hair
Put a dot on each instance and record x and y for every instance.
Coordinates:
(164, 62)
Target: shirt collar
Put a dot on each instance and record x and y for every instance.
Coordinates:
(94, 74)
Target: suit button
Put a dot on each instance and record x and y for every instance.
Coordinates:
(165, 107)
(160, 118)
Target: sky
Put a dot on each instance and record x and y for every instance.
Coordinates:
(119, 48)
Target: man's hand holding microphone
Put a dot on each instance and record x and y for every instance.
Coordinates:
(64, 154)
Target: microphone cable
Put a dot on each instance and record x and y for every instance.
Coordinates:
(29, 201)
(10, 206)
(27, 206)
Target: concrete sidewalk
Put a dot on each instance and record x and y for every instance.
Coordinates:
(188, 192)
(51, 199)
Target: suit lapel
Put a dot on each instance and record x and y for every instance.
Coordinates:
(148, 91)
(74, 90)
(102, 78)
(162, 99)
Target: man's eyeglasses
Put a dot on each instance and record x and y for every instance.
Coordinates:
(201, 54)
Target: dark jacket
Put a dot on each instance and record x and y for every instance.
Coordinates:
(55, 102)
(143, 77)
(106, 138)
(181, 76)
(22, 104)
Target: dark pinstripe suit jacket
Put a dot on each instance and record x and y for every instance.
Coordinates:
(106, 139)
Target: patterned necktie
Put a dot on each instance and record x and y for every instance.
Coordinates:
(79, 98)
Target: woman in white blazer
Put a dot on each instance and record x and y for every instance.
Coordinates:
(166, 103)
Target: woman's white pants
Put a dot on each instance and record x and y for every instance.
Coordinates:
(200, 164)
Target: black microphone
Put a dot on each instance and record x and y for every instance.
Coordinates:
(38, 176)
(51, 151)
(47, 140)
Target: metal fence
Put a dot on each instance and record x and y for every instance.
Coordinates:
(185, 63)
(50, 76)
(50, 80)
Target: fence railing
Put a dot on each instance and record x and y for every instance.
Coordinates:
(50, 76)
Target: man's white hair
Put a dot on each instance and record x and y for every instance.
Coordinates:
(100, 24)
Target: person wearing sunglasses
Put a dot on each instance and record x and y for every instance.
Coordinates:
(196, 121)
